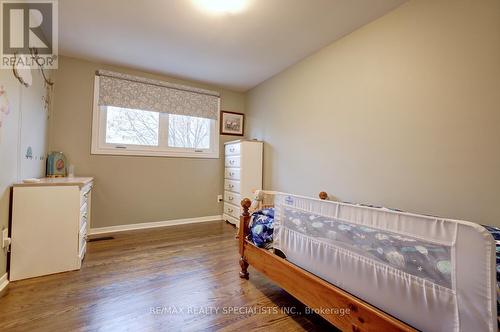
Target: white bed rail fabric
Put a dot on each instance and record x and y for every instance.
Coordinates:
(435, 274)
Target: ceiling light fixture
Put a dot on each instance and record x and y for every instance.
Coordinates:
(222, 6)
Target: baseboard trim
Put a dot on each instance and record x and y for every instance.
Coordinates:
(146, 225)
(3, 283)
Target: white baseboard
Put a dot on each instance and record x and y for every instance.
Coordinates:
(3, 282)
(146, 225)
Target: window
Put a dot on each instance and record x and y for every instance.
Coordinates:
(129, 131)
(138, 132)
(188, 132)
(125, 126)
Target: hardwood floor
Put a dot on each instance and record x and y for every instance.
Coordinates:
(181, 278)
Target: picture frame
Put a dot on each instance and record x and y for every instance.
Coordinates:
(232, 123)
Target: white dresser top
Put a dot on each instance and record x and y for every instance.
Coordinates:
(66, 181)
(242, 140)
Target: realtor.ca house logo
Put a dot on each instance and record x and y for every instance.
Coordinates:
(29, 36)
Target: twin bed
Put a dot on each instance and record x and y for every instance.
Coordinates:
(390, 270)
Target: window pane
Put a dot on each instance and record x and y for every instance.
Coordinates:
(130, 126)
(188, 132)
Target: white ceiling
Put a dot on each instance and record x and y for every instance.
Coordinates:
(236, 51)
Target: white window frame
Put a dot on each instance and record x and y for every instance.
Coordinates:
(100, 147)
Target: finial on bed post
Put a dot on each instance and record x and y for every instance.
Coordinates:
(323, 195)
(246, 203)
(243, 232)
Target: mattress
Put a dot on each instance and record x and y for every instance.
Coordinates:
(435, 274)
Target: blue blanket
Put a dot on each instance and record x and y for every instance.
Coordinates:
(261, 228)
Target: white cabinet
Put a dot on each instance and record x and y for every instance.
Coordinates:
(50, 223)
(242, 175)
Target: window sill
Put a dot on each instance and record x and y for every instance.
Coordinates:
(143, 153)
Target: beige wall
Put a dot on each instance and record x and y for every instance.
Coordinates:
(404, 112)
(26, 125)
(130, 189)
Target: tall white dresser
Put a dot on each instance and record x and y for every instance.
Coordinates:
(242, 175)
(50, 223)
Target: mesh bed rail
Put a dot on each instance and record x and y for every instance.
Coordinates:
(421, 269)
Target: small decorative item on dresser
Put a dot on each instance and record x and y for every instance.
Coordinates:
(71, 171)
(232, 123)
(56, 165)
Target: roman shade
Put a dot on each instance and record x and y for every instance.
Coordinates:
(127, 91)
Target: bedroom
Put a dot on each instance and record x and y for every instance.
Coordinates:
(388, 103)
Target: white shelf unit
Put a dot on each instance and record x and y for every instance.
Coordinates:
(50, 223)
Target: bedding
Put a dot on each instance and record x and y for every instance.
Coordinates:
(424, 259)
(261, 228)
(417, 257)
(352, 254)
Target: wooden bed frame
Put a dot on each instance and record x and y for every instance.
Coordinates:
(311, 290)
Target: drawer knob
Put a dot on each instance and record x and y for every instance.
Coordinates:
(230, 210)
(231, 149)
(232, 174)
(231, 198)
(231, 186)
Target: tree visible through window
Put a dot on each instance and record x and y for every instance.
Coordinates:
(188, 132)
(129, 126)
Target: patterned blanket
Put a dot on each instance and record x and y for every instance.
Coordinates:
(261, 228)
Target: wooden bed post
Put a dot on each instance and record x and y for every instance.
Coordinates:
(242, 235)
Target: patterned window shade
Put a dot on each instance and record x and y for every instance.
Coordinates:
(121, 90)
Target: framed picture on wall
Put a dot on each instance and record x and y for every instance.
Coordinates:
(232, 123)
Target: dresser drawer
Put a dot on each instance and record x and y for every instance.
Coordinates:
(231, 210)
(232, 173)
(231, 185)
(232, 149)
(232, 161)
(232, 198)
